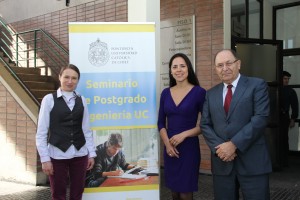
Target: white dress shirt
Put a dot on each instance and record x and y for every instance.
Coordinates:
(47, 150)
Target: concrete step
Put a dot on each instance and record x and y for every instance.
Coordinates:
(23, 70)
(39, 94)
(39, 85)
(12, 64)
(34, 77)
(6, 59)
(36, 85)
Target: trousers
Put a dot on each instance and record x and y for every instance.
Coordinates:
(72, 170)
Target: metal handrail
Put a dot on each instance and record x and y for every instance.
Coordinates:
(26, 47)
(4, 51)
(47, 46)
(5, 26)
(7, 37)
(59, 46)
(35, 31)
(20, 81)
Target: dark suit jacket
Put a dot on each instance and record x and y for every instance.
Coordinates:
(244, 126)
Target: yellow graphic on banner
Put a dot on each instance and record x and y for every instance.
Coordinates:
(95, 28)
(122, 188)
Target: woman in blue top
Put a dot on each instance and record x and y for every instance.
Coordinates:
(178, 124)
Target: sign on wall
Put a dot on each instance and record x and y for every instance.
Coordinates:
(177, 36)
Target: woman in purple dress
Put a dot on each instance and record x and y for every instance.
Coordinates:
(178, 124)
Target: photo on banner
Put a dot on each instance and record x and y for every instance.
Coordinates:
(118, 80)
(139, 149)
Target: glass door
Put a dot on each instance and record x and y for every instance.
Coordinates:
(263, 59)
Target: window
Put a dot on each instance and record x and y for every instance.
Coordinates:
(246, 18)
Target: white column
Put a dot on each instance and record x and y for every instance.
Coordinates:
(144, 11)
(227, 23)
(148, 11)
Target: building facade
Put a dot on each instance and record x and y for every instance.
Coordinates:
(19, 158)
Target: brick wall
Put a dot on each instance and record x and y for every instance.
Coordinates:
(56, 23)
(18, 131)
(17, 141)
(209, 39)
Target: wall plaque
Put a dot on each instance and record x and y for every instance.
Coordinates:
(177, 35)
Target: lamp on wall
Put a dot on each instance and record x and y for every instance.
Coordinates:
(67, 2)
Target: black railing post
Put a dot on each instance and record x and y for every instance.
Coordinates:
(17, 50)
(34, 50)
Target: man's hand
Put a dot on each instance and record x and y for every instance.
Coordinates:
(91, 163)
(231, 158)
(48, 168)
(117, 173)
(226, 151)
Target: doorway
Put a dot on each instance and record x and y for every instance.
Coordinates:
(263, 59)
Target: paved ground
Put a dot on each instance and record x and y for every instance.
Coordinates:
(284, 185)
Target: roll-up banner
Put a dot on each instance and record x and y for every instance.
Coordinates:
(118, 80)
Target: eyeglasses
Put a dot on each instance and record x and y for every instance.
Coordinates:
(227, 64)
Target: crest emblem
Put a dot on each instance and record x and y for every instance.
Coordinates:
(98, 53)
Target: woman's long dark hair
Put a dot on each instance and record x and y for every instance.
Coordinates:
(192, 78)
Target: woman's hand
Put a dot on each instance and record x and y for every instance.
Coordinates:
(177, 139)
(172, 151)
(48, 168)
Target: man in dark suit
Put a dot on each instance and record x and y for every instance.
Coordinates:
(240, 157)
(289, 101)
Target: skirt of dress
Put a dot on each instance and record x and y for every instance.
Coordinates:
(181, 174)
